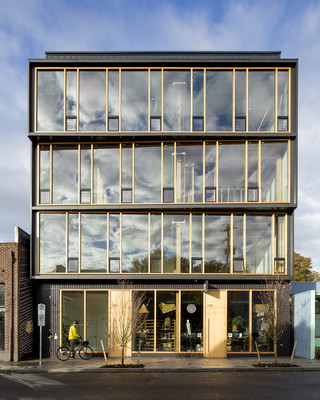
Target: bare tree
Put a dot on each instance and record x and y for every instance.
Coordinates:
(277, 306)
(128, 316)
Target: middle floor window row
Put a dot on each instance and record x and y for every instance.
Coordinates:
(162, 243)
(217, 171)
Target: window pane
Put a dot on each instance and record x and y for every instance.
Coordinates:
(253, 166)
(155, 93)
(73, 240)
(144, 340)
(97, 319)
(94, 243)
(217, 244)
(260, 325)
(219, 100)
(155, 243)
(134, 243)
(197, 243)
(279, 243)
(258, 244)
(85, 174)
(238, 236)
(44, 174)
(52, 246)
(167, 306)
(113, 93)
(176, 243)
(176, 100)
(168, 166)
(191, 321)
(72, 310)
(65, 175)
(274, 171)
(50, 100)
(106, 174)
(210, 171)
(189, 169)
(114, 236)
(238, 322)
(134, 100)
(198, 93)
(231, 172)
(71, 107)
(283, 93)
(126, 166)
(240, 93)
(92, 112)
(261, 101)
(147, 174)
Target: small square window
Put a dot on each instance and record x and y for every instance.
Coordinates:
(71, 123)
(168, 195)
(210, 194)
(44, 196)
(85, 196)
(155, 123)
(155, 264)
(197, 124)
(240, 123)
(126, 195)
(114, 265)
(253, 194)
(282, 124)
(73, 264)
(196, 265)
(238, 264)
(113, 123)
(279, 265)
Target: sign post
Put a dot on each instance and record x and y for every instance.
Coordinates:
(41, 323)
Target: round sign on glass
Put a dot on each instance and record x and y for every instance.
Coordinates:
(191, 308)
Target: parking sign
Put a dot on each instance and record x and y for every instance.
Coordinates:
(41, 314)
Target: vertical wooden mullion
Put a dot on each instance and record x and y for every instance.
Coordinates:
(65, 100)
(107, 99)
(132, 169)
(108, 244)
(78, 98)
(251, 345)
(233, 100)
(175, 172)
(204, 100)
(149, 94)
(273, 234)
(289, 171)
(161, 173)
(79, 244)
(217, 171)
(247, 99)
(161, 221)
(244, 230)
(204, 172)
(149, 243)
(231, 244)
(120, 173)
(246, 171)
(91, 174)
(38, 175)
(67, 241)
(190, 241)
(191, 99)
(276, 100)
(203, 241)
(79, 173)
(286, 242)
(162, 121)
(120, 87)
(85, 314)
(259, 172)
(289, 100)
(155, 320)
(120, 256)
(51, 174)
(35, 125)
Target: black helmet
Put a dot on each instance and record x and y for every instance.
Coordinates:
(75, 323)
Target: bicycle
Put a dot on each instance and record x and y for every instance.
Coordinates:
(83, 348)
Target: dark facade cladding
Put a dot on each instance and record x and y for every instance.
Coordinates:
(176, 171)
(16, 301)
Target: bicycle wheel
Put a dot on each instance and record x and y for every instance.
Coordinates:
(85, 352)
(63, 353)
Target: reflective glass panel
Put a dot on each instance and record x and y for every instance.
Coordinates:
(238, 243)
(176, 100)
(283, 77)
(176, 243)
(210, 172)
(93, 243)
(189, 170)
(155, 93)
(71, 96)
(65, 174)
(279, 243)
(113, 93)
(258, 244)
(73, 242)
(240, 95)
(52, 246)
(50, 100)
(144, 340)
(196, 243)
(134, 243)
(126, 166)
(274, 171)
(167, 304)
(106, 175)
(114, 242)
(72, 310)
(134, 100)
(260, 324)
(219, 100)
(198, 93)
(44, 174)
(85, 174)
(168, 168)
(238, 322)
(261, 101)
(231, 172)
(97, 319)
(147, 174)
(217, 244)
(192, 321)
(155, 243)
(92, 101)
(253, 170)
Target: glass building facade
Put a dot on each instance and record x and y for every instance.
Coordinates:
(178, 176)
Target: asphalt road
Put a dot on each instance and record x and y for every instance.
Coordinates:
(285, 385)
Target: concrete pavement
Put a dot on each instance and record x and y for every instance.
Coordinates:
(156, 364)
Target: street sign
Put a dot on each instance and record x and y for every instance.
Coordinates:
(41, 315)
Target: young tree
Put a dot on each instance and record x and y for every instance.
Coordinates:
(277, 306)
(303, 269)
(127, 318)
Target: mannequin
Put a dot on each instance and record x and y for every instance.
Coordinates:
(188, 331)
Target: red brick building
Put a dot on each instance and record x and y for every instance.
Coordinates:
(16, 309)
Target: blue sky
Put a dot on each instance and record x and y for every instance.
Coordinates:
(28, 28)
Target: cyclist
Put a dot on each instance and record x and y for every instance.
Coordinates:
(73, 337)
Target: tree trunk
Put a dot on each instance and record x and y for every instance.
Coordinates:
(122, 354)
(276, 352)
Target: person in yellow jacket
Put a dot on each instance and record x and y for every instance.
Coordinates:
(73, 337)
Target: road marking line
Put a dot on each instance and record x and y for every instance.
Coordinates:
(33, 380)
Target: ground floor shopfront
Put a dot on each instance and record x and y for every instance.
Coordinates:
(209, 323)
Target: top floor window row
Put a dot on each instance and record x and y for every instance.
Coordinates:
(162, 100)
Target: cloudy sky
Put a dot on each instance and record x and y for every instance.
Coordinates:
(28, 28)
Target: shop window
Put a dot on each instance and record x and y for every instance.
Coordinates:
(238, 322)
(260, 324)
(166, 322)
(144, 339)
(191, 321)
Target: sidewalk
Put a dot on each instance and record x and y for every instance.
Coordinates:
(157, 364)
